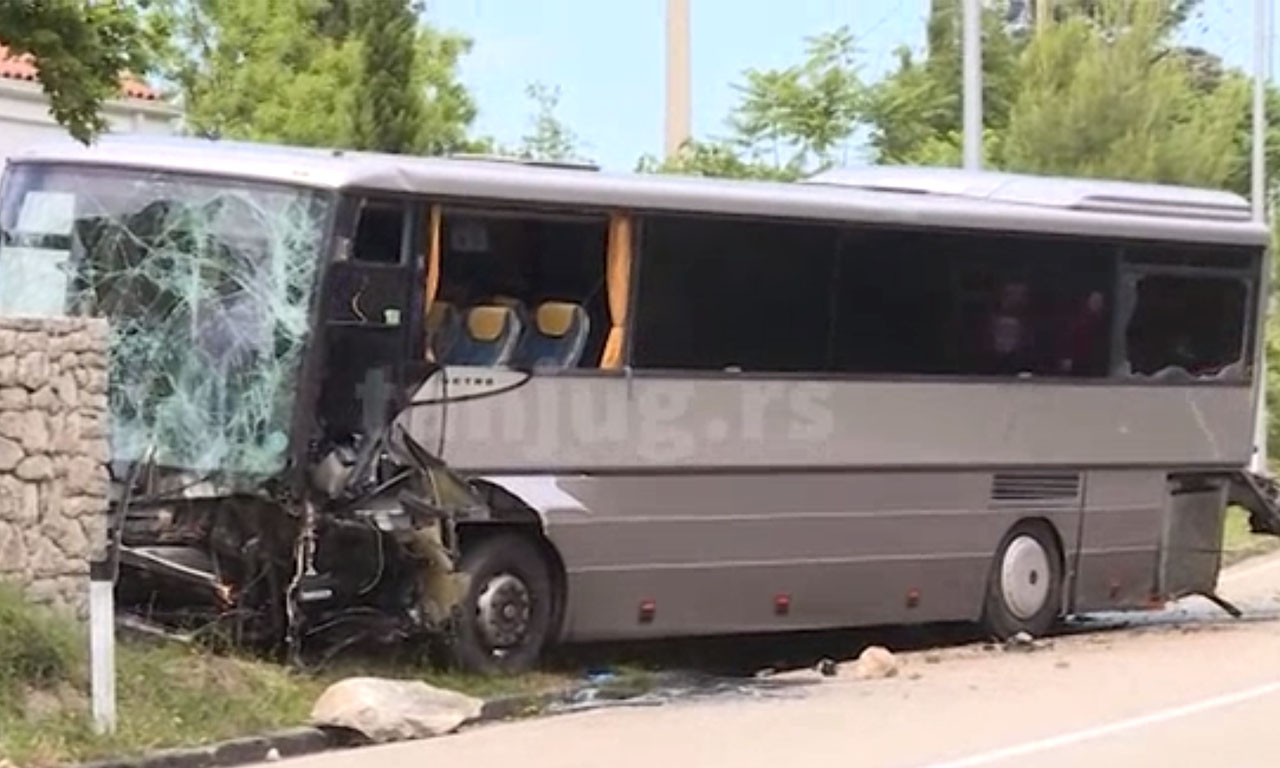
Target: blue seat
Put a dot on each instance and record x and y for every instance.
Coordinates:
(556, 339)
(489, 337)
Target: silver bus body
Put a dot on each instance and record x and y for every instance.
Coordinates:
(679, 502)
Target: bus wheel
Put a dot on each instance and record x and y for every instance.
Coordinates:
(506, 616)
(1024, 590)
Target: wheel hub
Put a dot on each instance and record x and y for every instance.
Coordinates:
(1025, 577)
(502, 611)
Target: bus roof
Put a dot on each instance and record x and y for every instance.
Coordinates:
(914, 197)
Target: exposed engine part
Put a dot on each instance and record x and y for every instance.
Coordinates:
(370, 554)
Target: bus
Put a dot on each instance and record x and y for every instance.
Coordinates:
(499, 405)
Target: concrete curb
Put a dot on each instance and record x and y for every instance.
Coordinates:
(296, 742)
(306, 740)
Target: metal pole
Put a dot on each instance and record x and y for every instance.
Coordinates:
(1044, 10)
(1261, 66)
(102, 647)
(1260, 61)
(972, 84)
(679, 123)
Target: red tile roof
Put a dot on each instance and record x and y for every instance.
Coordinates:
(24, 68)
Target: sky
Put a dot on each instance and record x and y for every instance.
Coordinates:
(607, 57)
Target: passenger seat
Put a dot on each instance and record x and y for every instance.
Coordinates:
(444, 326)
(489, 338)
(557, 337)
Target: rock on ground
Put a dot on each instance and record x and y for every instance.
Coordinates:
(874, 663)
(393, 710)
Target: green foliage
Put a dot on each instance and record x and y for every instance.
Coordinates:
(714, 159)
(1116, 106)
(796, 118)
(550, 139)
(789, 121)
(170, 694)
(81, 48)
(915, 114)
(37, 649)
(387, 113)
(347, 74)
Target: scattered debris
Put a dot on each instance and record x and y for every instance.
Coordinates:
(393, 710)
(874, 663)
(766, 673)
(1023, 641)
(827, 668)
(273, 755)
(933, 658)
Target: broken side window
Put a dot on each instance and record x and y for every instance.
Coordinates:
(1187, 326)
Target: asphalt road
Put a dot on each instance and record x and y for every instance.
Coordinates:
(1186, 687)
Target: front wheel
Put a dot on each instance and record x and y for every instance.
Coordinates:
(505, 620)
(1024, 590)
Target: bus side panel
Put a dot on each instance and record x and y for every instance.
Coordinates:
(715, 552)
(1120, 539)
(574, 423)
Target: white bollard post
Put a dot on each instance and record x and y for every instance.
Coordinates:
(102, 647)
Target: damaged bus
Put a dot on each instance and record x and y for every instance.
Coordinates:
(502, 405)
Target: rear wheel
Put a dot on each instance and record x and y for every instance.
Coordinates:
(505, 619)
(1024, 590)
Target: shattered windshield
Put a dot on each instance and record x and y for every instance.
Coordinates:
(207, 284)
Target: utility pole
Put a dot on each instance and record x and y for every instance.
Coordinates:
(972, 85)
(679, 123)
(1044, 13)
(1261, 68)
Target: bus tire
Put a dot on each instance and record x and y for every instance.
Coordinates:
(1024, 588)
(505, 619)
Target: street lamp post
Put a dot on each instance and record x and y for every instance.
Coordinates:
(678, 121)
(972, 84)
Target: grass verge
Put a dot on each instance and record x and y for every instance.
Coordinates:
(1239, 543)
(169, 694)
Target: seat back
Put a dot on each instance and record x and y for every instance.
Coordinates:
(444, 327)
(489, 337)
(557, 337)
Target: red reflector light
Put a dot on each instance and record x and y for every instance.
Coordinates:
(913, 597)
(647, 609)
(782, 604)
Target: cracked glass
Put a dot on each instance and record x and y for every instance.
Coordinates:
(207, 284)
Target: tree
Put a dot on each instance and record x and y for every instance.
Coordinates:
(915, 114)
(788, 122)
(1092, 103)
(387, 111)
(304, 72)
(713, 159)
(81, 48)
(1177, 12)
(550, 139)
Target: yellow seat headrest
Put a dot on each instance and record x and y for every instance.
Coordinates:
(555, 318)
(487, 323)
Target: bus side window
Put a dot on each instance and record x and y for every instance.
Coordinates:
(1187, 326)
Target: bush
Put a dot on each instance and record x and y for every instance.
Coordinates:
(38, 649)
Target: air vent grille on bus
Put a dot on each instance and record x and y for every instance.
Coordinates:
(1035, 488)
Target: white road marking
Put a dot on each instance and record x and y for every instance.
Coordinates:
(1244, 573)
(1097, 732)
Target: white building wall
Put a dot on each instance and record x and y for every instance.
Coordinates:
(25, 119)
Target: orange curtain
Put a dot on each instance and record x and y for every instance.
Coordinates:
(432, 286)
(618, 279)
(433, 255)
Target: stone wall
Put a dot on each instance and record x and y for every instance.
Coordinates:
(53, 454)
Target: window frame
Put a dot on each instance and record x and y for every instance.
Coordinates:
(1115, 249)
